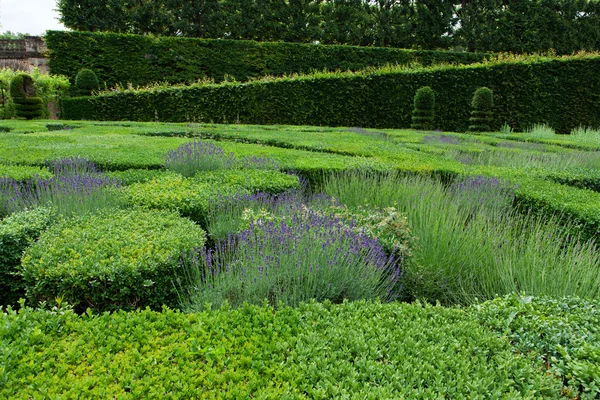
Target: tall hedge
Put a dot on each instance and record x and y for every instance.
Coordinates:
(564, 93)
(122, 58)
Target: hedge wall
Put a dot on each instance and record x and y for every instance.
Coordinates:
(563, 93)
(122, 58)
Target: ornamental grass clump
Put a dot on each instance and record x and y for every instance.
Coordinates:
(482, 112)
(288, 262)
(423, 114)
(196, 156)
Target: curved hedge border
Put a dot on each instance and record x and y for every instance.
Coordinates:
(191, 197)
(316, 351)
(122, 260)
(140, 60)
(564, 92)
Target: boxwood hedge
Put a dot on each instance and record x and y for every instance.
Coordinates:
(360, 350)
(192, 196)
(122, 260)
(17, 232)
(561, 92)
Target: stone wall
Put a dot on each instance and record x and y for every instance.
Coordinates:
(24, 54)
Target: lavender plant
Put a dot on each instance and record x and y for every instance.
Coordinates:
(77, 187)
(198, 156)
(310, 257)
(471, 246)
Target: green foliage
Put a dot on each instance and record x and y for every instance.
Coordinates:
(142, 60)
(121, 260)
(29, 108)
(423, 112)
(470, 246)
(559, 91)
(21, 86)
(482, 113)
(481, 25)
(565, 333)
(192, 196)
(86, 81)
(17, 232)
(318, 351)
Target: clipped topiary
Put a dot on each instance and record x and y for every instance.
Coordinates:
(23, 94)
(422, 115)
(482, 112)
(86, 81)
(108, 261)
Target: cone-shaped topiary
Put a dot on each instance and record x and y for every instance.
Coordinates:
(482, 113)
(422, 115)
(86, 81)
(23, 94)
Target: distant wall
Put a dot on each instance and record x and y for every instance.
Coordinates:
(24, 54)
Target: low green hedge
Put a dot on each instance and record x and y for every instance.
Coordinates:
(140, 60)
(191, 197)
(565, 333)
(561, 92)
(361, 350)
(122, 260)
(23, 172)
(17, 232)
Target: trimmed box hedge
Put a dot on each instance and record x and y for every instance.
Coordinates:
(563, 92)
(17, 232)
(362, 350)
(121, 260)
(141, 60)
(191, 197)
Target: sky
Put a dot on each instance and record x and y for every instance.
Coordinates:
(29, 16)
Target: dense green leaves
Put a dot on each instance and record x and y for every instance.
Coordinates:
(318, 351)
(424, 104)
(141, 60)
(122, 260)
(561, 92)
(480, 25)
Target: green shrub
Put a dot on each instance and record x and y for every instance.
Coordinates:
(423, 112)
(482, 113)
(363, 350)
(86, 81)
(122, 260)
(21, 86)
(564, 333)
(191, 196)
(17, 232)
(526, 91)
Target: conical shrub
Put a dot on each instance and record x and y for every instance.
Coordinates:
(482, 112)
(424, 103)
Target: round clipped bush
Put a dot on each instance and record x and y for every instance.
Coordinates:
(119, 260)
(482, 110)
(424, 103)
(86, 81)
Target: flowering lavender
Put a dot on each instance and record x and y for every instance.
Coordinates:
(443, 139)
(198, 156)
(67, 192)
(72, 166)
(308, 256)
(481, 191)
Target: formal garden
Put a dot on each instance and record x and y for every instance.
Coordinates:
(234, 219)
